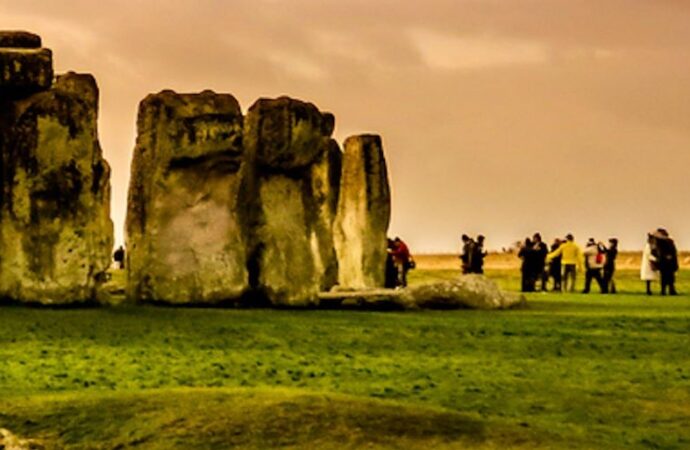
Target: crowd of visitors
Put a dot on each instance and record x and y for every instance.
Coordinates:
(556, 267)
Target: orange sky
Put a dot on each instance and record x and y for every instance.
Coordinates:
(498, 116)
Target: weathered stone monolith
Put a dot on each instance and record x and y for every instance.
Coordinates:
(290, 183)
(325, 186)
(363, 214)
(55, 229)
(186, 239)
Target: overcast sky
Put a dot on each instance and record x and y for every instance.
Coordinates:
(499, 117)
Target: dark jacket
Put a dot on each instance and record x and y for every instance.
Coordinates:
(667, 254)
(611, 254)
(540, 251)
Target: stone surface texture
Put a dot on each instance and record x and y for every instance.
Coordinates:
(55, 229)
(185, 229)
(19, 39)
(24, 66)
(469, 291)
(290, 181)
(363, 214)
(225, 208)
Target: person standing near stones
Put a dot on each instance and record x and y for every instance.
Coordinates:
(466, 253)
(610, 265)
(571, 259)
(478, 255)
(595, 258)
(391, 271)
(540, 252)
(528, 268)
(555, 266)
(119, 257)
(649, 270)
(667, 260)
(402, 260)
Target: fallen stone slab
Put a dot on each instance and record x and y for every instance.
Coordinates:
(468, 292)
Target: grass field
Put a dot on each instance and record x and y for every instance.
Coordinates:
(569, 371)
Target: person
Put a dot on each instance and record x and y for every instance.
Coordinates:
(555, 266)
(540, 252)
(466, 254)
(119, 257)
(667, 261)
(391, 280)
(648, 270)
(478, 255)
(595, 257)
(402, 260)
(610, 265)
(527, 254)
(571, 259)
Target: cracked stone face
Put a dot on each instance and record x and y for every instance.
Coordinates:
(363, 214)
(185, 229)
(55, 233)
(25, 67)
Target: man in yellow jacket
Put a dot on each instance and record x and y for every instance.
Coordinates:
(571, 259)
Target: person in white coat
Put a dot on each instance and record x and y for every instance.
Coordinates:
(649, 271)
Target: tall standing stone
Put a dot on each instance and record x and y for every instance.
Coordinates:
(363, 216)
(290, 187)
(325, 186)
(55, 229)
(186, 236)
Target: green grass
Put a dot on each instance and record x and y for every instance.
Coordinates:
(570, 371)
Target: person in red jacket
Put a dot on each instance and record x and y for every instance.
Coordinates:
(402, 260)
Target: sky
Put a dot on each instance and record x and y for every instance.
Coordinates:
(500, 117)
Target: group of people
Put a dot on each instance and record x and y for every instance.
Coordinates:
(660, 262)
(472, 254)
(399, 261)
(563, 259)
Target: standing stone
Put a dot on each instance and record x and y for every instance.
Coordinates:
(185, 230)
(55, 229)
(290, 186)
(363, 214)
(325, 185)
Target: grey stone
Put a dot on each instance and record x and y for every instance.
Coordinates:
(363, 214)
(55, 229)
(19, 39)
(469, 291)
(286, 134)
(186, 236)
(289, 182)
(325, 186)
(25, 71)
